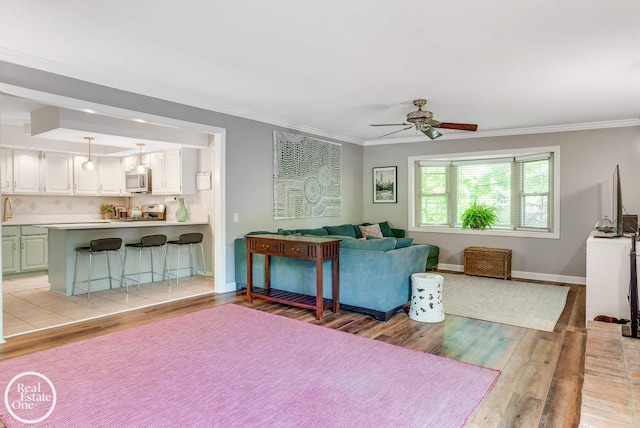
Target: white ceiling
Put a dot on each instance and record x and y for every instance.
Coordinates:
(333, 67)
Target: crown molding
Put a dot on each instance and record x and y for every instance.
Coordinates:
(508, 132)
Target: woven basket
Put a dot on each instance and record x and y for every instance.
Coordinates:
(491, 262)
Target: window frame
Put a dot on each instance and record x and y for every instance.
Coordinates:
(554, 197)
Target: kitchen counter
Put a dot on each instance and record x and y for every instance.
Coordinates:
(65, 238)
(11, 222)
(110, 224)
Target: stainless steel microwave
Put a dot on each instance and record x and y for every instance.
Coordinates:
(138, 182)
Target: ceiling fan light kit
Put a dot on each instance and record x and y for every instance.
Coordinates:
(423, 121)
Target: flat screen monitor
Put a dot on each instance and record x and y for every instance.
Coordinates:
(617, 202)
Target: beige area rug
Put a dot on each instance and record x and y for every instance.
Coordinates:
(523, 304)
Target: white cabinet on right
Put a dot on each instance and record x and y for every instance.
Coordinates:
(174, 171)
(608, 275)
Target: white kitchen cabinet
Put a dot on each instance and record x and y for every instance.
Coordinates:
(6, 170)
(33, 248)
(10, 253)
(84, 182)
(57, 173)
(26, 171)
(110, 177)
(174, 171)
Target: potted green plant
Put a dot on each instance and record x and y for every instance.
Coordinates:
(479, 216)
(106, 210)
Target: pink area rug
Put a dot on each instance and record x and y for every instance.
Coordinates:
(234, 366)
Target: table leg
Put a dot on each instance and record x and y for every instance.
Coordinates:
(335, 268)
(319, 290)
(267, 272)
(249, 276)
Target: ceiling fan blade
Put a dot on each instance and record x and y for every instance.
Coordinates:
(458, 126)
(431, 132)
(392, 124)
(399, 130)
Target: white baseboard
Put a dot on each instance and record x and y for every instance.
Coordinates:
(527, 275)
(227, 288)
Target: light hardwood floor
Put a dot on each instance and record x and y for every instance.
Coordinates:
(542, 372)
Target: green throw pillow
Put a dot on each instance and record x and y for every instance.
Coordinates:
(386, 229)
(344, 230)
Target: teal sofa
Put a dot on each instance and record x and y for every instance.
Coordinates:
(374, 273)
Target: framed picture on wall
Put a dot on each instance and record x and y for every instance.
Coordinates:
(385, 185)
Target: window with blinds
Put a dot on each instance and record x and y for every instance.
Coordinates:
(519, 187)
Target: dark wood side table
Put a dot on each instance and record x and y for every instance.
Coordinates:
(317, 249)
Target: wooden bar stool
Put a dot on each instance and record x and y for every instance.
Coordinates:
(102, 245)
(187, 239)
(150, 242)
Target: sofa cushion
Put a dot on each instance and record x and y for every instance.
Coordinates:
(403, 242)
(344, 230)
(260, 232)
(289, 232)
(372, 230)
(321, 231)
(340, 237)
(400, 242)
(370, 245)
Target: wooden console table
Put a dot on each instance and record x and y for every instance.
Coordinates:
(317, 249)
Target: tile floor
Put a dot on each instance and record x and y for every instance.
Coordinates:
(29, 305)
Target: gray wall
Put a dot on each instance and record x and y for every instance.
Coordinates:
(249, 184)
(588, 159)
(249, 176)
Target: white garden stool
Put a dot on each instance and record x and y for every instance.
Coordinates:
(426, 297)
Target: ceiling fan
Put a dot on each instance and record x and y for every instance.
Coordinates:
(424, 122)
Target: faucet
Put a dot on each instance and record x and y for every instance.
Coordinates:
(7, 215)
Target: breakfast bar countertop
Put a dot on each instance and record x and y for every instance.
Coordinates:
(64, 238)
(118, 224)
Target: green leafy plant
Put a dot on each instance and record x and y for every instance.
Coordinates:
(479, 216)
(106, 209)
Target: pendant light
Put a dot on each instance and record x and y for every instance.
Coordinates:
(89, 165)
(141, 168)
